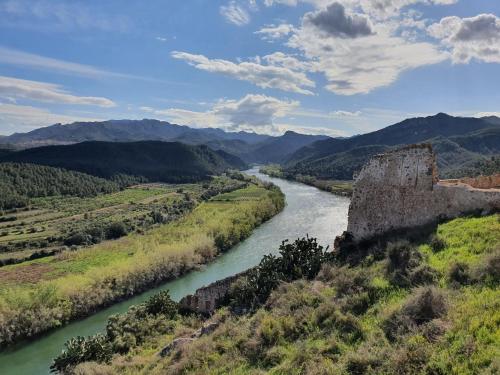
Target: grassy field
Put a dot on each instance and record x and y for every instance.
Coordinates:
(49, 224)
(40, 294)
(423, 308)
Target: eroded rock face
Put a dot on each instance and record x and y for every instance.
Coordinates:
(400, 189)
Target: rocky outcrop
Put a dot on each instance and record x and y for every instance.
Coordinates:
(401, 190)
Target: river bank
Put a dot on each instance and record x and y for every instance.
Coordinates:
(342, 188)
(308, 211)
(76, 284)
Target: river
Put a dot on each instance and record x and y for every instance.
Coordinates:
(308, 211)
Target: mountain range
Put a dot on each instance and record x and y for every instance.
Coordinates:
(459, 142)
(251, 147)
(463, 145)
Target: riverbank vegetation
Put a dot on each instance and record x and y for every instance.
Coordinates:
(427, 307)
(337, 187)
(41, 294)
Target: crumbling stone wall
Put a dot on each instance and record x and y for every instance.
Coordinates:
(400, 189)
(206, 299)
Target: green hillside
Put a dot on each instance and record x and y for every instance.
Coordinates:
(148, 160)
(19, 182)
(426, 307)
(460, 143)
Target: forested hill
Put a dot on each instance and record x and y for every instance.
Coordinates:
(150, 160)
(19, 182)
(459, 142)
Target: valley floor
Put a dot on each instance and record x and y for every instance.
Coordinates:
(176, 228)
(431, 307)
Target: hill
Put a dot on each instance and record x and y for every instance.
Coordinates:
(459, 142)
(251, 147)
(423, 307)
(149, 160)
(19, 182)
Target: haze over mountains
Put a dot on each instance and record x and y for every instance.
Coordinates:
(461, 144)
(252, 147)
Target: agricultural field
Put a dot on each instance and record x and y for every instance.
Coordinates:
(40, 294)
(49, 225)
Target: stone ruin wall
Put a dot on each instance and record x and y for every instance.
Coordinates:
(206, 299)
(400, 190)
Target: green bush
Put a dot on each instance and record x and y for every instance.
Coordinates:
(116, 230)
(80, 349)
(424, 305)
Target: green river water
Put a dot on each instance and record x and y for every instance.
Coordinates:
(308, 211)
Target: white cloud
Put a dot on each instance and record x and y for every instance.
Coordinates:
(252, 112)
(46, 92)
(235, 13)
(360, 65)
(57, 15)
(19, 58)
(470, 38)
(17, 118)
(264, 76)
(273, 32)
(161, 39)
(346, 114)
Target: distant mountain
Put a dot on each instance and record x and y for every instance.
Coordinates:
(150, 160)
(251, 147)
(278, 149)
(124, 131)
(459, 142)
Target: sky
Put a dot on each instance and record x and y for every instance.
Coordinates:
(339, 68)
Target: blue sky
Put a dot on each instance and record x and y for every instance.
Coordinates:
(314, 66)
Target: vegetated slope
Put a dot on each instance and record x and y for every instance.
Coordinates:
(19, 182)
(151, 160)
(424, 307)
(462, 141)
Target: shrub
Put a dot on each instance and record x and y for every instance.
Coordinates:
(116, 230)
(459, 274)
(404, 266)
(78, 239)
(489, 270)
(80, 349)
(161, 303)
(437, 244)
(426, 304)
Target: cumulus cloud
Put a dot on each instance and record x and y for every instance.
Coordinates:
(46, 92)
(360, 65)
(334, 21)
(274, 32)
(235, 14)
(252, 112)
(470, 38)
(264, 76)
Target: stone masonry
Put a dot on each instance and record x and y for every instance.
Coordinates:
(400, 190)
